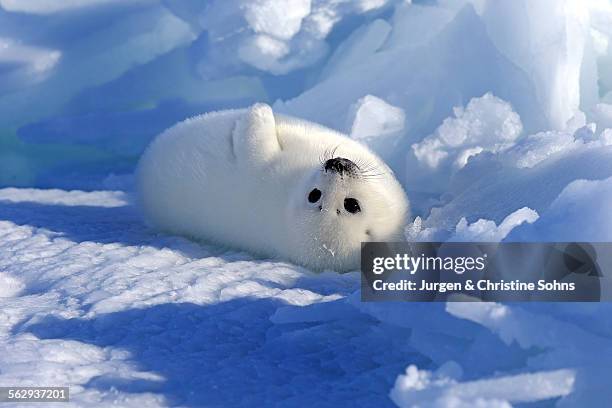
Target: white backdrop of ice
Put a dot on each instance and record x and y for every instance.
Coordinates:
(94, 59)
(373, 117)
(535, 36)
(276, 36)
(508, 105)
(376, 123)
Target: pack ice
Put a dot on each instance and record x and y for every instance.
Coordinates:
(496, 115)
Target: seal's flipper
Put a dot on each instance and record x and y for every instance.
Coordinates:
(255, 138)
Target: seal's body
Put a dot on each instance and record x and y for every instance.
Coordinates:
(272, 185)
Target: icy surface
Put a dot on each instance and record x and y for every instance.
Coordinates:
(534, 36)
(93, 299)
(580, 213)
(486, 124)
(496, 115)
(418, 388)
(373, 117)
(50, 6)
(29, 64)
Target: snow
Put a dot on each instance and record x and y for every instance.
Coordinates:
(495, 115)
(50, 6)
(579, 213)
(276, 36)
(94, 283)
(602, 115)
(487, 231)
(94, 299)
(373, 117)
(482, 230)
(280, 19)
(418, 388)
(487, 124)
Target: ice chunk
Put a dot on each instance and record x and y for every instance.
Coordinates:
(579, 214)
(274, 24)
(59, 197)
(424, 389)
(415, 24)
(415, 232)
(533, 172)
(606, 137)
(373, 117)
(325, 14)
(601, 114)
(536, 148)
(521, 326)
(23, 64)
(377, 124)
(601, 34)
(494, 187)
(425, 81)
(357, 48)
(579, 120)
(51, 6)
(10, 286)
(410, 78)
(486, 124)
(549, 40)
(482, 230)
(97, 58)
(274, 36)
(281, 19)
(270, 54)
(487, 231)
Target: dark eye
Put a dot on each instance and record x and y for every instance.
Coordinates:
(314, 195)
(351, 205)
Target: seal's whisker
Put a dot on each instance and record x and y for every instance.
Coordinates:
(372, 169)
(373, 177)
(322, 158)
(333, 154)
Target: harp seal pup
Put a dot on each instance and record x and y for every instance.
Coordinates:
(272, 185)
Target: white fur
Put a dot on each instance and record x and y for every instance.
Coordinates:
(242, 177)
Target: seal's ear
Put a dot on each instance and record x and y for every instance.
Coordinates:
(255, 138)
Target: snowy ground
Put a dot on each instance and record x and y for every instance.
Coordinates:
(495, 115)
(94, 300)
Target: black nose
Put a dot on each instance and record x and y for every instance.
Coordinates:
(340, 165)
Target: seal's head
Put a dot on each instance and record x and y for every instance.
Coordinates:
(350, 198)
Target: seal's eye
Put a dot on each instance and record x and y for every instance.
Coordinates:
(314, 195)
(351, 205)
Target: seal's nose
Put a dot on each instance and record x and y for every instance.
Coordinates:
(340, 165)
